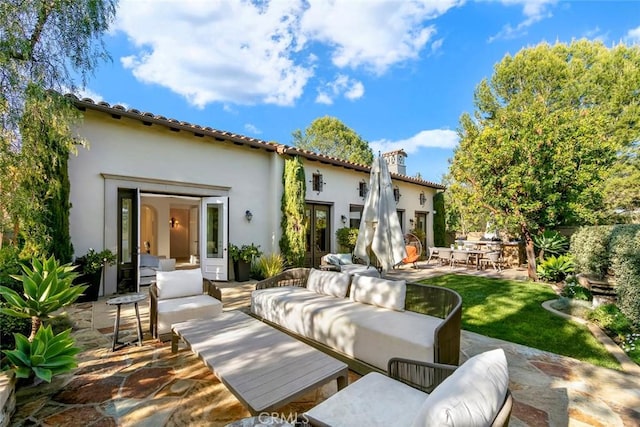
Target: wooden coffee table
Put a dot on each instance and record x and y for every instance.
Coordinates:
(263, 367)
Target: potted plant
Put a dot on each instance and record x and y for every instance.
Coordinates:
(242, 257)
(90, 268)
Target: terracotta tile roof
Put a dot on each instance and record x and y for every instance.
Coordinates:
(147, 118)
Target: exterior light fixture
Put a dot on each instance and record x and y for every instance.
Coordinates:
(248, 215)
(411, 221)
(344, 219)
(423, 199)
(396, 194)
(174, 222)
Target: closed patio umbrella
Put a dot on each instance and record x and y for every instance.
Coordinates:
(379, 226)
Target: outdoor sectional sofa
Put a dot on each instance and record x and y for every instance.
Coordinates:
(365, 321)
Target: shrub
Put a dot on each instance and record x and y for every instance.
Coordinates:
(10, 264)
(10, 325)
(577, 292)
(555, 269)
(269, 265)
(347, 237)
(439, 220)
(609, 316)
(590, 250)
(625, 263)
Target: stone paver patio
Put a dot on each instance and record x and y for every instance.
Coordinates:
(150, 386)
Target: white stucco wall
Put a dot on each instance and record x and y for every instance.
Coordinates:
(124, 153)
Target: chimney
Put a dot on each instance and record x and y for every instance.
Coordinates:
(395, 160)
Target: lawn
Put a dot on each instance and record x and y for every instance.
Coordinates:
(511, 310)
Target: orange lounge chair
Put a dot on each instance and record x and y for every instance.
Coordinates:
(412, 256)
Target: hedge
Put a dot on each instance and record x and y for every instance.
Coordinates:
(599, 250)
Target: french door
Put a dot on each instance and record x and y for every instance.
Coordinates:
(214, 238)
(318, 233)
(128, 239)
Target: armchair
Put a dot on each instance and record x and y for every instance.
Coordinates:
(177, 296)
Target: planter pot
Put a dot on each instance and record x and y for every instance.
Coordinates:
(241, 270)
(91, 279)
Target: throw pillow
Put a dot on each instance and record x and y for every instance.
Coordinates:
(332, 283)
(471, 396)
(332, 259)
(379, 292)
(345, 259)
(179, 283)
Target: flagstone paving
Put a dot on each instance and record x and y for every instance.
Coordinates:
(150, 386)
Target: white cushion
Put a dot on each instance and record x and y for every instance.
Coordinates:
(179, 283)
(345, 259)
(175, 310)
(366, 332)
(167, 264)
(379, 292)
(471, 396)
(332, 283)
(331, 259)
(373, 400)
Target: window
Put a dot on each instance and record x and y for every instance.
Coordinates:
(362, 189)
(355, 213)
(316, 183)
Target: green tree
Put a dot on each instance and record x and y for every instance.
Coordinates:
(44, 45)
(294, 225)
(548, 126)
(329, 136)
(439, 222)
(622, 189)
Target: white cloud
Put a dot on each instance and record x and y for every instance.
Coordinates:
(251, 128)
(374, 34)
(342, 85)
(533, 10)
(259, 52)
(88, 93)
(633, 36)
(434, 138)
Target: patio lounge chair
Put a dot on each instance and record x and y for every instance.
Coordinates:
(418, 393)
(493, 258)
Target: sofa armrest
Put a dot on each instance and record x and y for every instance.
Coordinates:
(423, 376)
(211, 289)
(291, 277)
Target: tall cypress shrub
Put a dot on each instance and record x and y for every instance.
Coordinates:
(439, 224)
(294, 226)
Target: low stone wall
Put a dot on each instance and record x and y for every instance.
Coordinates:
(7, 397)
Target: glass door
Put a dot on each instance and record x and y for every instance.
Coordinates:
(318, 233)
(421, 225)
(128, 238)
(214, 238)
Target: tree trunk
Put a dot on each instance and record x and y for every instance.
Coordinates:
(531, 254)
(35, 325)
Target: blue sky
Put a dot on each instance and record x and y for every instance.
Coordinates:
(400, 73)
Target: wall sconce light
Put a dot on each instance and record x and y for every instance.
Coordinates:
(343, 218)
(396, 194)
(423, 198)
(174, 222)
(434, 212)
(248, 215)
(411, 221)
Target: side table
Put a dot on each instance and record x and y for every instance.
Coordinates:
(118, 302)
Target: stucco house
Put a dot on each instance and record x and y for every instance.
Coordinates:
(151, 184)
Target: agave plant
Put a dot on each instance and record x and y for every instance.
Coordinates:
(47, 355)
(550, 242)
(556, 269)
(46, 288)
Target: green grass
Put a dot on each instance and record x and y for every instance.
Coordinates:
(511, 310)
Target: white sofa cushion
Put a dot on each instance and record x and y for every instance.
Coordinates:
(379, 292)
(344, 259)
(373, 400)
(179, 283)
(366, 332)
(471, 396)
(332, 283)
(175, 310)
(167, 264)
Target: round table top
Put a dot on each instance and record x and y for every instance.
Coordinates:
(126, 299)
